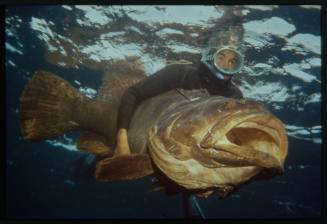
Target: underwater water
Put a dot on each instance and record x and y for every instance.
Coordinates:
(282, 69)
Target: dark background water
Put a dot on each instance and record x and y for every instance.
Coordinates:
(40, 182)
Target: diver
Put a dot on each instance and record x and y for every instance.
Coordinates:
(221, 59)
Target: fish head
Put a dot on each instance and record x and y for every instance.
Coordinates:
(218, 142)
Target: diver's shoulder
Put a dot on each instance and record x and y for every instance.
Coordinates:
(181, 69)
(235, 91)
(183, 66)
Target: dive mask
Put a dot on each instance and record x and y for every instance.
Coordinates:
(224, 61)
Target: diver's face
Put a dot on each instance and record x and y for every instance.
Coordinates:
(227, 59)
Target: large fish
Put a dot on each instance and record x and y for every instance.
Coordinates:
(190, 140)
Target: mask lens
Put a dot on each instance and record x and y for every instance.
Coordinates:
(228, 61)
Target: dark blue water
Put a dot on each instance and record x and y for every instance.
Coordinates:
(40, 179)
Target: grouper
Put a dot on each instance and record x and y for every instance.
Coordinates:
(189, 140)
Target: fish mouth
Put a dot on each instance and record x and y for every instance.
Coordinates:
(253, 139)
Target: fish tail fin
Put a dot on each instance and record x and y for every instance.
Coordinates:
(46, 106)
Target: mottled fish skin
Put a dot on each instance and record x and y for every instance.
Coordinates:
(195, 143)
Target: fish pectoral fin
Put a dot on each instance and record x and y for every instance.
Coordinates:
(157, 186)
(225, 191)
(124, 167)
(94, 143)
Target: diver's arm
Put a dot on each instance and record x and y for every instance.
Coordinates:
(170, 77)
(237, 94)
(173, 76)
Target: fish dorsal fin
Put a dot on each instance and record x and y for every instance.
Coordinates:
(121, 75)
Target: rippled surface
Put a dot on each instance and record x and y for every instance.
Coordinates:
(282, 69)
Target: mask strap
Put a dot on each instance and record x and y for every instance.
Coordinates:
(212, 68)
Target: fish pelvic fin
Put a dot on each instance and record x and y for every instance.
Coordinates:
(124, 167)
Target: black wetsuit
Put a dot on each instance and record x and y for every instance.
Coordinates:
(196, 76)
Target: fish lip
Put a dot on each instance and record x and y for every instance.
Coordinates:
(210, 143)
(217, 155)
(218, 130)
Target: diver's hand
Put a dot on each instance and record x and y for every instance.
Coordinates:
(122, 146)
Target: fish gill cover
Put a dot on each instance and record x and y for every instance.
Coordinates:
(282, 70)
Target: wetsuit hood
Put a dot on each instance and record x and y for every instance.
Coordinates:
(227, 39)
